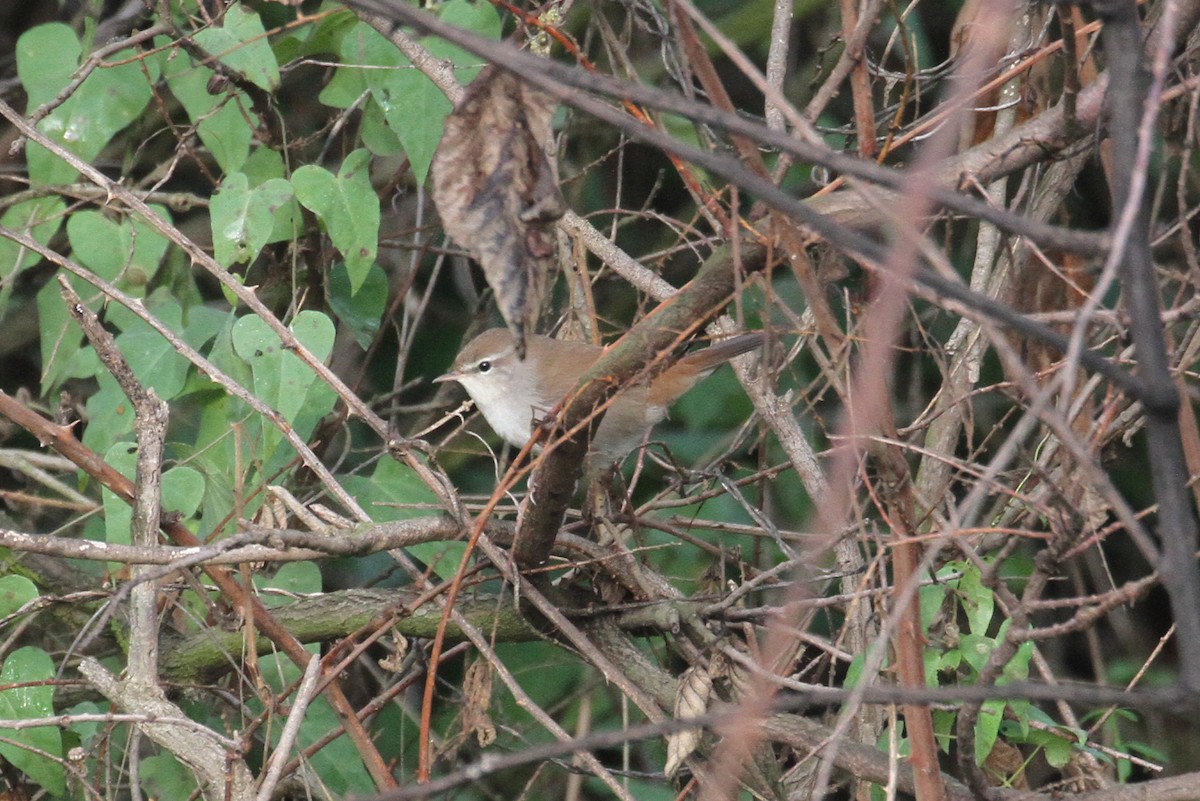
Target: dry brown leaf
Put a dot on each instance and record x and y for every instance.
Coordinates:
(1007, 766)
(691, 700)
(496, 189)
(477, 699)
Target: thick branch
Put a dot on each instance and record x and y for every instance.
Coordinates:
(329, 617)
(223, 775)
(562, 464)
(254, 545)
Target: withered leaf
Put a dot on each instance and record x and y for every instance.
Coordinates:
(496, 190)
(477, 696)
(691, 700)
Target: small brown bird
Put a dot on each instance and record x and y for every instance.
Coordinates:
(512, 394)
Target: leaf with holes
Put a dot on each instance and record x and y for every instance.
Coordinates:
(243, 218)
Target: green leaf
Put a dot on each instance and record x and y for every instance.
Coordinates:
(39, 218)
(718, 404)
(58, 336)
(243, 218)
(376, 134)
(1023, 712)
(950, 660)
(301, 578)
(348, 208)
(98, 243)
(338, 762)
(987, 728)
(423, 121)
(1149, 752)
(931, 659)
(950, 573)
(155, 361)
(345, 87)
(20, 703)
(326, 31)
(204, 323)
(15, 592)
(977, 600)
(123, 253)
(943, 727)
(360, 312)
(85, 731)
(1112, 713)
(163, 776)
(976, 650)
(280, 378)
(219, 119)
(1017, 668)
(550, 676)
(47, 56)
(1057, 750)
(854, 672)
(126, 253)
(219, 456)
(1057, 746)
(241, 44)
(110, 405)
(479, 18)
(264, 165)
(395, 492)
(415, 109)
(182, 491)
(107, 101)
(284, 383)
(931, 596)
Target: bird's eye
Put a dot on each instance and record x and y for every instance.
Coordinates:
(485, 366)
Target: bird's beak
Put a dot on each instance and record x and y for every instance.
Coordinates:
(446, 377)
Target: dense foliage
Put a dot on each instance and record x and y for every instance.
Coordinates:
(935, 538)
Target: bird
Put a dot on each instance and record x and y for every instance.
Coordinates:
(512, 393)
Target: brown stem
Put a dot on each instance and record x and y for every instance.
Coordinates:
(561, 465)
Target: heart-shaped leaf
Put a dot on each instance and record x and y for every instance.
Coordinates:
(281, 379)
(359, 311)
(348, 208)
(106, 102)
(241, 44)
(243, 218)
(182, 491)
(218, 118)
(414, 108)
